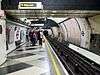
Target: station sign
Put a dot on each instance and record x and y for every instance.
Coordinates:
(30, 5)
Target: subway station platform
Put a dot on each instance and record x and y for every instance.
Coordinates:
(31, 60)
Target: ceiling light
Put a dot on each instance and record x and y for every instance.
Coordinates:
(54, 11)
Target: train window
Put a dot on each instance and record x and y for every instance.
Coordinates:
(0, 29)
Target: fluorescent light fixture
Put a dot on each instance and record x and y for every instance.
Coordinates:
(37, 24)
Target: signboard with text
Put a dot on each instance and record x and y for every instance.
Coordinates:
(30, 5)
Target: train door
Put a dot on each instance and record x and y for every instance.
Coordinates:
(2, 41)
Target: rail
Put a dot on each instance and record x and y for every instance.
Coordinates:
(74, 62)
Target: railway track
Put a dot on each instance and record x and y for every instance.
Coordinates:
(75, 63)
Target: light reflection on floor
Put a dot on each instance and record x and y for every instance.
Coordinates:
(36, 59)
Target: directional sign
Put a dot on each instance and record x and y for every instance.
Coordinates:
(30, 5)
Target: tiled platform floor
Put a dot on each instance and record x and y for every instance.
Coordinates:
(27, 60)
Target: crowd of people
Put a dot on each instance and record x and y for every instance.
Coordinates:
(35, 36)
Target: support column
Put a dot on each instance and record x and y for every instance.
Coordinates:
(0, 4)
(3, 54)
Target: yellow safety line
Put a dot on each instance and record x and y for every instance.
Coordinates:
(54, 62)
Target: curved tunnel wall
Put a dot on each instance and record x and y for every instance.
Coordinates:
(63, 31)
(85, 32)
(74, 30)
(55, 31)
(77, 31)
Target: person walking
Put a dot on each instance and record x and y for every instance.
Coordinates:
(34, 38)
(31, 36)
(41, 37)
